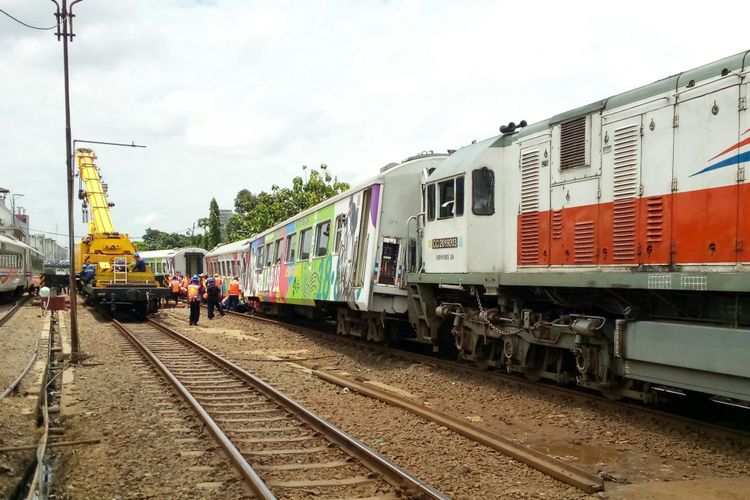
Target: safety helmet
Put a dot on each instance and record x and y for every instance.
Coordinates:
(136, 255)
(211, 280)
(195, 277)
(121, 261)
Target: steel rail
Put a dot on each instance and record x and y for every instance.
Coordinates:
(393, 474)
(473, 370)
(13, 385)
(239, 462)
(14, 309)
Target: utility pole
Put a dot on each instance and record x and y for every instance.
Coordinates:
(65, 16)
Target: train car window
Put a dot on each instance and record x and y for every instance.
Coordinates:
(291, 243)
(277, 256)
(340, 226)
(259, 257)
(431, 202)
(305, 243)
(447, 191)
(459, 196)
(322, 236)
(269, 254)
(234, 268)
(483, 191)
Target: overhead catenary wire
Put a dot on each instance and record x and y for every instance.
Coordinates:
(27, 25)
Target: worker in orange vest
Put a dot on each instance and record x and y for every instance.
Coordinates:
(234, 294)
(218, 282)
(194, 293)
(174, 289)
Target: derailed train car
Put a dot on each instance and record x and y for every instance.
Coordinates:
(604, 246)
(346, 258)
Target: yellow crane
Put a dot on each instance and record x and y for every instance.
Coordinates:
(105, 257)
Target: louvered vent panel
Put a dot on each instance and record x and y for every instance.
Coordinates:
(530, 207)
(573, 144)
(624, 213)
(584, 241)
(530, 182)
(530, 238)
(557, 224)
(654, 220)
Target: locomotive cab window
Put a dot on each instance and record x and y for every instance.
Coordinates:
(451, 198)
(430, 202)
(483, 191)
(322, 235)
(305, 243)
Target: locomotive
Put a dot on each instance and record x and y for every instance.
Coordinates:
(602, 247)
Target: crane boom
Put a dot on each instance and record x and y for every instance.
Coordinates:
(93, 191)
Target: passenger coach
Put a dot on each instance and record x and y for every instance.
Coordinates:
(346, 257)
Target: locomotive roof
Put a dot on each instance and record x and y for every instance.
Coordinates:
(457, 164)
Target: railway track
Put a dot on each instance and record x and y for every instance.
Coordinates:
(32, 357)
(457, 366)
(279, 447)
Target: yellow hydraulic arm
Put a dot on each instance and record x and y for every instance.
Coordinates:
(96, 198)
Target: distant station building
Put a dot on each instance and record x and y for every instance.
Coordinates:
(52, 251)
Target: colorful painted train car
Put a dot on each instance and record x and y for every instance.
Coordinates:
(345, 258)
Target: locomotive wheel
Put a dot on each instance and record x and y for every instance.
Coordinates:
(612, 396)
(532, 376)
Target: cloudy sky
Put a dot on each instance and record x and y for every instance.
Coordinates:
(232, 94)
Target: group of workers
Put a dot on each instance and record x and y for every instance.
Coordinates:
(205, 288)
(120, 265)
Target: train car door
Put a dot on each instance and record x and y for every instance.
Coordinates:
(706, 127)
(620, 215)
(534, 210)
(389, 261)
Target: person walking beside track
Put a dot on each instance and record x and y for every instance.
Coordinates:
(194, 292)
(213, 297)
(234, 294)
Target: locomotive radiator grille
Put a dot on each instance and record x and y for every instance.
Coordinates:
(624, 212)
(530, 166)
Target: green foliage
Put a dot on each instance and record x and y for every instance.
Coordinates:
(160, 240)
(212, 237)
(255, 213)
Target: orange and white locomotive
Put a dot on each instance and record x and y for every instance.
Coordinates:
(605, 246)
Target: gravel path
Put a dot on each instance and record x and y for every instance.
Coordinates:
(623, 444)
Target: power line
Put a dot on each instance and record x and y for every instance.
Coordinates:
(27, 25)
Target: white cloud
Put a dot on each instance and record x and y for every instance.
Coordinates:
(238, 94)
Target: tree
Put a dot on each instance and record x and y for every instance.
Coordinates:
(255, 213)
(213, 235)
(160, 240)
